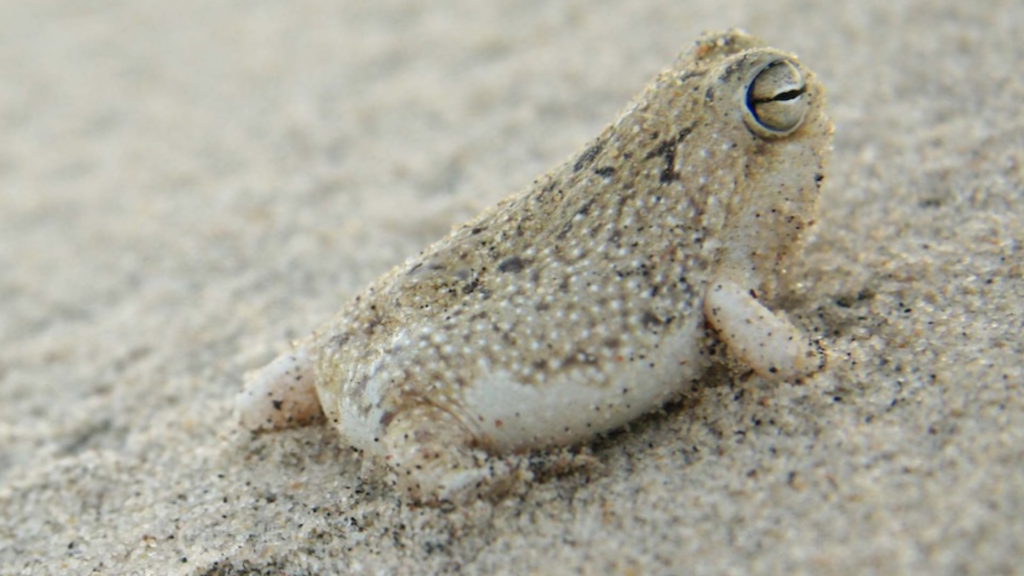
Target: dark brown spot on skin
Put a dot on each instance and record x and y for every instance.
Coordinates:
(512, 264)
(386, 418)
(605, 171)
(565, 230)
(585, 209)
(587, 157)
(667, 151)
(612, 342)
(471, 287)
(650, 318)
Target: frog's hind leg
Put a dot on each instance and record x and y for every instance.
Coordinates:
(435, 459)
(282, 394)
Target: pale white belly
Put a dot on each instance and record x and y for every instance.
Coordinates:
(567, 409)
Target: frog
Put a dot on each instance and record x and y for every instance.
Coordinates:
(603, 290)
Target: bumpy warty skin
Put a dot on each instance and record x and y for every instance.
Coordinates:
(579, 304)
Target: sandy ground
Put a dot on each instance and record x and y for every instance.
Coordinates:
(186, 186)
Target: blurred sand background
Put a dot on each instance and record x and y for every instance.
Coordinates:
(186, 186)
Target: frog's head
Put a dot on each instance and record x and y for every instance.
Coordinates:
(757, 148)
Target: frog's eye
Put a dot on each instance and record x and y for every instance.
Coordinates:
(776, 100)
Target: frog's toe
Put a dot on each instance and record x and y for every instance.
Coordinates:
(434, 460)
(282, 394)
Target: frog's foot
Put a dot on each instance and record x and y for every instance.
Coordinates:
(756, 337)
(434, 459)
(282, 394)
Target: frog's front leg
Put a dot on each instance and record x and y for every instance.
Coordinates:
(768, 344)
(282, 394)
(435, 458)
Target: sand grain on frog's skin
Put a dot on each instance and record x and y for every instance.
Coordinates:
(590, 298)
